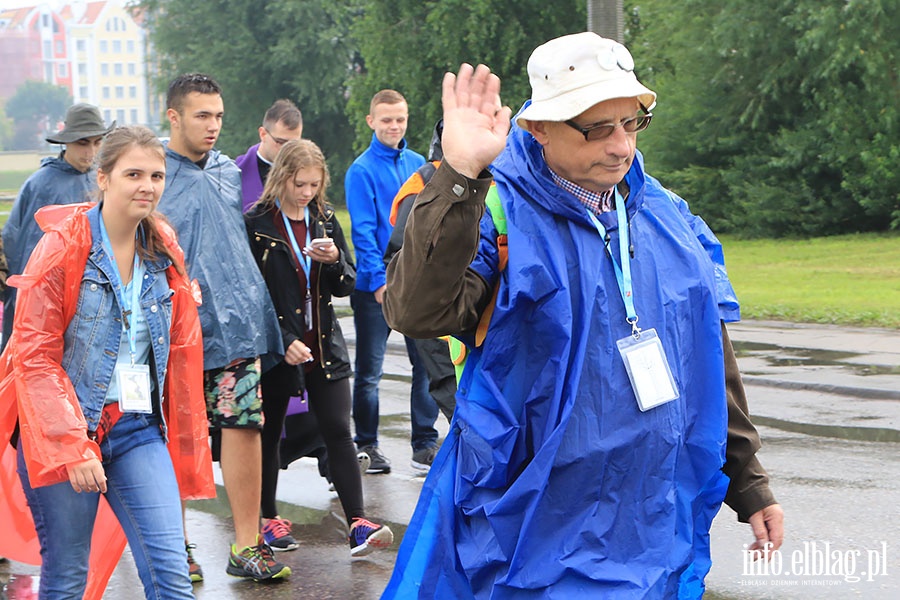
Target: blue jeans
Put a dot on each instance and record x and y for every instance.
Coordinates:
(143, 493)
(371, 342)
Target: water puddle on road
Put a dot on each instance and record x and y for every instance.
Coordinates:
(780, 356)
(844, 432)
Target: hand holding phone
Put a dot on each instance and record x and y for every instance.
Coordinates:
(321, 243)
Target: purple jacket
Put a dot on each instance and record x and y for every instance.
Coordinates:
(251, 182)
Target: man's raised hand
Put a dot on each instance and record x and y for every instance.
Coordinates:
(475, 121)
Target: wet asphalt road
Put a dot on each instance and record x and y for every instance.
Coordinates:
(827, 402)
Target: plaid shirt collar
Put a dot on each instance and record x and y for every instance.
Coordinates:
(596, 203)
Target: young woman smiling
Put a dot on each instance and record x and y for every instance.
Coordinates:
(105, 320)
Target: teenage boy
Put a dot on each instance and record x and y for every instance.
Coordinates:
(202, 200)
(370, 185)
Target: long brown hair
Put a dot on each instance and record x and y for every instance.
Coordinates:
(293, 156)
(117, 143)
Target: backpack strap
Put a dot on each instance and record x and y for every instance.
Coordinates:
(492, 201)
(458, 354)
(413, 185)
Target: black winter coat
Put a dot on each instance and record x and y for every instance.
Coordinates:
(280, 270)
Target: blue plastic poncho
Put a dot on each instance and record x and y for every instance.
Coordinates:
(55, 182)
(552, 483)
(204, 207)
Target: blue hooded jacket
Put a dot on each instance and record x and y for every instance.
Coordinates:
(552, 483)
(204, 207)
(370, 185)
(55, 182)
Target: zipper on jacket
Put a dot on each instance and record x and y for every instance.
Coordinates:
(318, 314)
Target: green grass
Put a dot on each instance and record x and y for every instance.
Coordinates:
(848, 280)
(344, 219)
(845, 280)
(11, 181)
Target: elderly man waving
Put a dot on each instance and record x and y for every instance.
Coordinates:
(601, 420)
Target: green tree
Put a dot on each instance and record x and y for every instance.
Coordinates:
(408, 45)
(259, 51)
(34, 108)
(775, 117)
(6, 129)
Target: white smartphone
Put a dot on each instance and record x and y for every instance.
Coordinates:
(321, 243)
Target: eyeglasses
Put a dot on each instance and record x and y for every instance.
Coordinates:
(601, 131)
(277, 140)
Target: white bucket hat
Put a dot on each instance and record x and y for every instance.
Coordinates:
(572, 73)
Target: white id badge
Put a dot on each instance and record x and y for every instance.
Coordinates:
(648, 369)
(134, 388)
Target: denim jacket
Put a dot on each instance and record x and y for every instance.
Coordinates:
(37, 393)
(92, 337)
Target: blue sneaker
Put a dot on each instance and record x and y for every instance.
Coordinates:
(277, 534)
(366, 536)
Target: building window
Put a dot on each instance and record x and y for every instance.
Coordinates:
(83, 92)
(106, 92)
(104, 46)
(60, 49)
(129, 45)
(61, 70)
(117, 46)
(117, 68)
(132, 68)
(107, 115)
(81, 46)
(48, 49)
(120, 115)
(132, 91)
(104, 69)
(82, 69)
(134, 116)
(45, 20)
(120, 91)
(115, 24)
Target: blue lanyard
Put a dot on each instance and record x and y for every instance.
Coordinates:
(304, 260)
(137, 275)
(623, 272)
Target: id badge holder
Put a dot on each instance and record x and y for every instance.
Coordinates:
(134, 388)
(307, 312)
(647, 367)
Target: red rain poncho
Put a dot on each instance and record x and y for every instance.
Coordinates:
(30, 373)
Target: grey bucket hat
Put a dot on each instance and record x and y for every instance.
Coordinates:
(82, 121)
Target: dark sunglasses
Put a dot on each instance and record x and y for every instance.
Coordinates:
(601, 131)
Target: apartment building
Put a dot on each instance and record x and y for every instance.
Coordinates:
(32, 46)
(97, 50)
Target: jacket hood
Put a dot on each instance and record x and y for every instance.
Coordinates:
(214, 158)
(60, 163)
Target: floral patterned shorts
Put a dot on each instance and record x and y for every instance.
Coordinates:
(233, 398)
